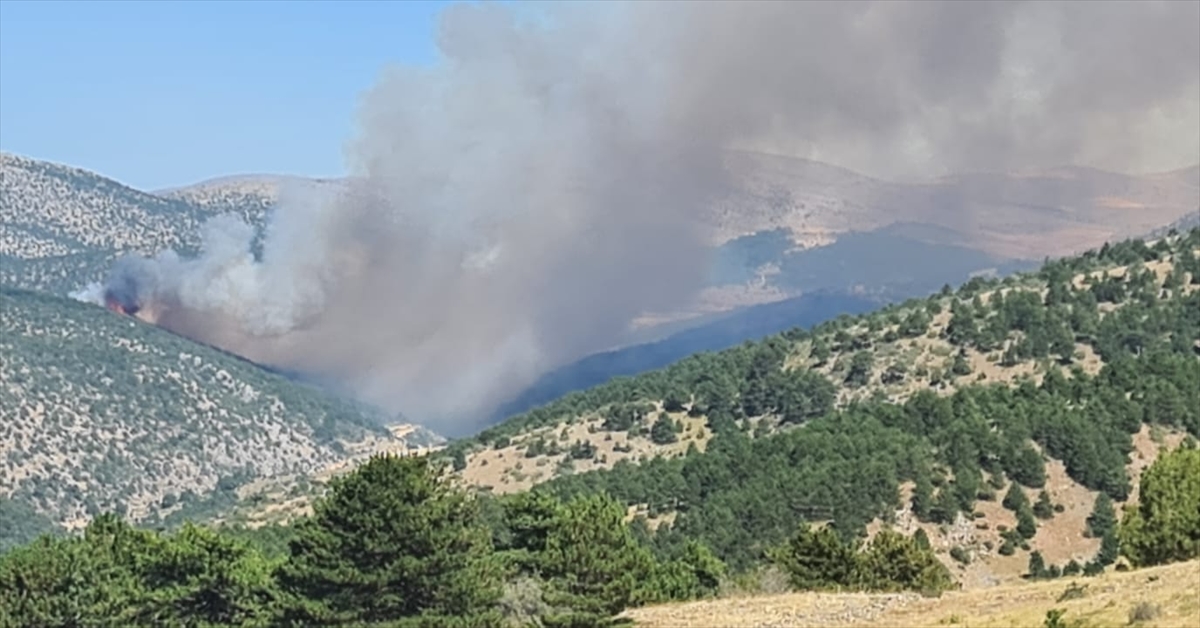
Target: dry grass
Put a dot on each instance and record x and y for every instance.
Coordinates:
(1112, 599)
(507, 470)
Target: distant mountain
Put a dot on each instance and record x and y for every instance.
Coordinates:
(1019, 215)
(876, 268)
(240, 193)
(61, 226)
(99, 411)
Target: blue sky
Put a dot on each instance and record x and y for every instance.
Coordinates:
(161, 94)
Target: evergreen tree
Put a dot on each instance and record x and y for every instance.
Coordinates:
(72, 581)
(893, 562)
(528, 519)
(1026, 524)
(922, 539)
(592, 564)
(198, 577)
(1103, 517)
(1043, 508)
(663, 431)
(390, 542)
(922, 497)
(859, 373)
(1037, 565)
(1015, 498)
(817, 559)
(118, 575)
(1110, 548)
(1165, 526)
(696, 573)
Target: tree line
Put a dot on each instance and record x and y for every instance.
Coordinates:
(395, 543)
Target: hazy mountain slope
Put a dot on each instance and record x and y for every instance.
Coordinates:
(60, 226)
(868, 270)
(1007, 215)
(907, 348)
(99, 411)
(239, 193)
(752, 322)
(1066, 382)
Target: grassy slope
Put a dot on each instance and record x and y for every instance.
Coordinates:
(1108, 600)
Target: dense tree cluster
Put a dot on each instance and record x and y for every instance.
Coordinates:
(743, 494)
(391, 544)
(821, 559)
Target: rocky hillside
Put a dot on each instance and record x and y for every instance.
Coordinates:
(99, 412)
(60, 227)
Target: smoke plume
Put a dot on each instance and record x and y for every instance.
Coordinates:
(517, 204)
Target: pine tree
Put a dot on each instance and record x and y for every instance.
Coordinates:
(1026, 524)
(816, 559)
(663, 431)
(1043, 508)
(1110, 548)
(922, 539)
(1165, 526)
(893, 562)
(922, 497)
(696, 573)
(391, 541)
(1015, 498)
(592, 564)
(201, 577)
(1037, 565)
(1103, 517)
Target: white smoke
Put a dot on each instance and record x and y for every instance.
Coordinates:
(516, 205)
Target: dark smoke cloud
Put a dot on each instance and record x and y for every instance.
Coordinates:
(518, 204)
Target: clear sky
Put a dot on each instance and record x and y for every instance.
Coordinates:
(162, 94)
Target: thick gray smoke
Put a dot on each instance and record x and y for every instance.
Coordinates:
(516, 205)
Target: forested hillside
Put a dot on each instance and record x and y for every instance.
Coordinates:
(101, 412)
(956, 396)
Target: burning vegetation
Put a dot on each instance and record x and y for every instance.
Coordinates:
(115, 305)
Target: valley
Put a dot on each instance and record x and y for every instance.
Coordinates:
(597, 315)
(106, 413)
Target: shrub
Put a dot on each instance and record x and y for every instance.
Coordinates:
(1144, 611)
